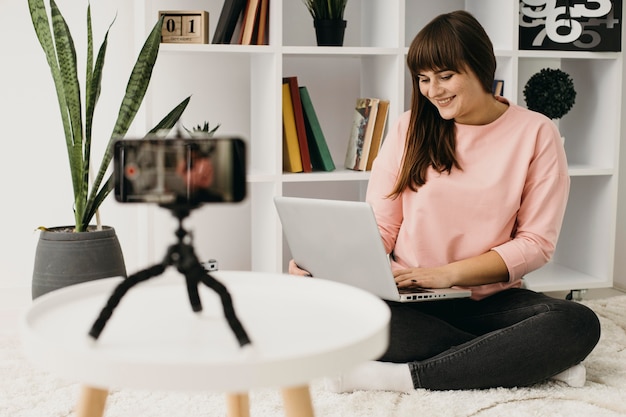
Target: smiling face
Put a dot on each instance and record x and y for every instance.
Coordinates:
(457, 96)
(452, 64)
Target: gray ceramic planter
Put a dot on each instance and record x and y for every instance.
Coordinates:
(64, 258)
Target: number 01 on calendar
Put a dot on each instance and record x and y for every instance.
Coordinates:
(185, 26)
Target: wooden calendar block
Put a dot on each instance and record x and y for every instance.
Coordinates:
(185, 26)
(172, 26)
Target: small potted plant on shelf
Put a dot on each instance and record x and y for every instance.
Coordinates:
(67, 255)
(328, 20)
(550, 92)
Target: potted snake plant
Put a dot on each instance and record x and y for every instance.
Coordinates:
(81, 252)
(328, 20)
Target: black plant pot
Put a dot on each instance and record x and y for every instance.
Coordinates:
(65, 258)
(329, 32)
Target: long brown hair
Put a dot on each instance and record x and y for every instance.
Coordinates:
(453, 41)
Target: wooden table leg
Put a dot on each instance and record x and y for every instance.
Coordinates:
(297, 401)
(91, 402)
(238, 405)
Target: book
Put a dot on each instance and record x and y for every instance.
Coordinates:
(379, 131)
(230, 14)
(498, 87)
(361, 133)
(299, 117)
(263, 24)
(292, 161)
(321, 159)
(238, 31)
(249, 20)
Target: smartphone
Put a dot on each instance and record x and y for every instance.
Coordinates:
(180, 171)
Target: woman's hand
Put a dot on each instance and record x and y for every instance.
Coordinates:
(423, 278)
(483, 269)
(296, 270)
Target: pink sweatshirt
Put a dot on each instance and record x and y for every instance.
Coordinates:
(510, 197)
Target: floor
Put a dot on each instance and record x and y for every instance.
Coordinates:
(14, 301)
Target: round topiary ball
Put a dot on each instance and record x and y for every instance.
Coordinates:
(551, 92)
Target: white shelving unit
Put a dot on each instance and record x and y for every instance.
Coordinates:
(240, 87)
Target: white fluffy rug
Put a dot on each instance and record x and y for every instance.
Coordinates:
(26, 392)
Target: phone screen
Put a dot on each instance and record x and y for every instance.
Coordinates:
(180, 171)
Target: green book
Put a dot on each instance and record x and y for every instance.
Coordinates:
(321, 160)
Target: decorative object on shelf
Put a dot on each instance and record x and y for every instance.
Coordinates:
(328, 20)
(58, 46)
(185, 26)
(571, 25)
(550, 92)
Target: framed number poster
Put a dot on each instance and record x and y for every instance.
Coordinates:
(570, 25)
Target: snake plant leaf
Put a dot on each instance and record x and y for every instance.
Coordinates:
(138, 82)
(92, 205)
(172, 117)
(89, 105)
(94, 87)
(94, 78)
(66, 56)
(41, 24)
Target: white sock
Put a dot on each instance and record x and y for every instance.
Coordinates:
(373, 375)
(574, 376)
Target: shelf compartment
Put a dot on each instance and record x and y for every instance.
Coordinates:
(591, 126)
(370, 23)
(360, 76)
(586, 243)
(555, 277)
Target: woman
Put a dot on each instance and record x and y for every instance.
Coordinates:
(470, 190)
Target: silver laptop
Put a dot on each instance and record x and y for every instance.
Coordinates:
(339, 241)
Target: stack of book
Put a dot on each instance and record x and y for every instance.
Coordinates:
(366, 136)
(304, 145)
(243, 22)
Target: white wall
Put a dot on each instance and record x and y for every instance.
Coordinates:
(35, 177)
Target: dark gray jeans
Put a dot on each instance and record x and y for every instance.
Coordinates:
(516, 337)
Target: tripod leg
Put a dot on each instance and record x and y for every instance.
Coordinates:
(194, 297)
(115, 298)
(227, 305)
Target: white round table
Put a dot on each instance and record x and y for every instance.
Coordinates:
(300, 328)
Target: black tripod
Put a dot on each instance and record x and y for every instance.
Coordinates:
(181, 255)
